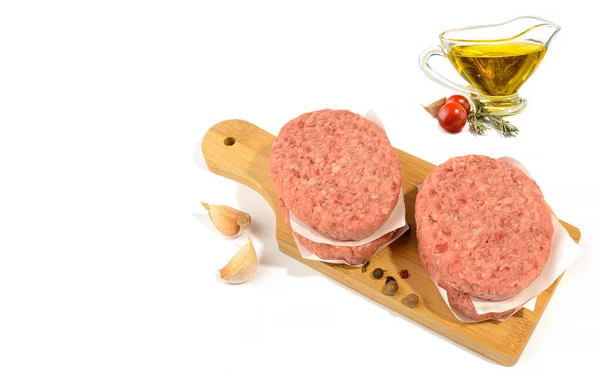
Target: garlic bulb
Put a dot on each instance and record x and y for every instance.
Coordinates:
(435, 107)
(227, 220)
(241, 267)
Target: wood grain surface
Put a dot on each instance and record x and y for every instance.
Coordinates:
(240, 151)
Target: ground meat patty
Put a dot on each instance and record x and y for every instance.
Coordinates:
(483, 227)
(462, 302)
(337, 172)
(353, 255)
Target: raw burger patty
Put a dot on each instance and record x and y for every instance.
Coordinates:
(353, 255)
(462, 302)
(483, 227)
(337, 172)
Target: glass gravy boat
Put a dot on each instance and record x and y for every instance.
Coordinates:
(494, 59)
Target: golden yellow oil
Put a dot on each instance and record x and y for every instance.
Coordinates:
(497, 69)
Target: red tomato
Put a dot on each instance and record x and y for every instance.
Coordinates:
(452, 117)
(460, 100)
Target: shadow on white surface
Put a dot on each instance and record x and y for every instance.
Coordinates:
(263, 227)
(204, 220)
(199, 157)
(414, 323)
(565, 303)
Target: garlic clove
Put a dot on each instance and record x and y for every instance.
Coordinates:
(242, 266)
(227, 220)
(435, 106)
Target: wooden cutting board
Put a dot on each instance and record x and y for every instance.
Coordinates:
(240, 151)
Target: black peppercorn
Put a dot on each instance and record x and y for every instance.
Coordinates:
(377, 273)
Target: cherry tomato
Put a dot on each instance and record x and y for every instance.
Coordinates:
(452, 117)
(460, 100)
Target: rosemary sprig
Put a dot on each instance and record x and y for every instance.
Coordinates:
(481, 115)
(476, 125)
(504, 126)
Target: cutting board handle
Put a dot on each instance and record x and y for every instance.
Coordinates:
(238, 150)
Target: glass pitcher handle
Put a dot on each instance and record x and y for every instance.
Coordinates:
(431, 74)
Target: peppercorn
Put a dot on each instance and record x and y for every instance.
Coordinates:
(404, 274)
(377, 273)
(411, 300)
(391, 286)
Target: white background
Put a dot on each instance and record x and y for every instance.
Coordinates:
(105, 263)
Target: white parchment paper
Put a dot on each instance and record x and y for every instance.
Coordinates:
(563, 252)
(466, 319)
(306, 254)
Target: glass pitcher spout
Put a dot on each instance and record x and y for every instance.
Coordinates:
(537, 30)
(528, 29)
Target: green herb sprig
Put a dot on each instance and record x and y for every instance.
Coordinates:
(479, 116)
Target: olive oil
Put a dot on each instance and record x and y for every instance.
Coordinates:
(497, 70)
